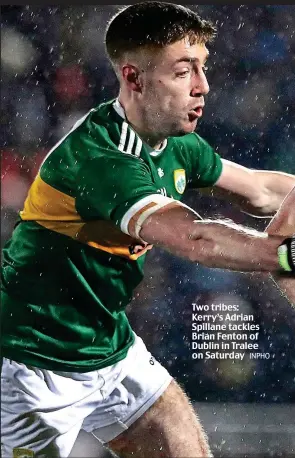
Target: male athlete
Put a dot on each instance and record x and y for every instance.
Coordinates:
(104, 195)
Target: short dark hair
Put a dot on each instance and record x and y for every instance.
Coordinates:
(154, 24)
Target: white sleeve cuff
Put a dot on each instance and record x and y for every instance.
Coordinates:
(142, 210)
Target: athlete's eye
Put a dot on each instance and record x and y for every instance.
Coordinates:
(183, 74)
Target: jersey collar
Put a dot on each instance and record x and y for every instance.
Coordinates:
(120, 110)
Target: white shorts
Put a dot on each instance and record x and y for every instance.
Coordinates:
(43, 411)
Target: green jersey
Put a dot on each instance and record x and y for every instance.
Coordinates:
(70, 267)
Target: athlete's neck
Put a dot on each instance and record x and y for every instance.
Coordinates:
(154, 139)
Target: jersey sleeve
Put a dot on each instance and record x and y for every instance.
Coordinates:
(206, 164)
(118, 188)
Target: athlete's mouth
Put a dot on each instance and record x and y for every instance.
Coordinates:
(195, 113)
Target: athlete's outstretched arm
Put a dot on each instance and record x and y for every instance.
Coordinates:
(283, 223)
(219, 244)
(259, 192)
(132, 201)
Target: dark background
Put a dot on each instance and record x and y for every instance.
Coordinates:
(54, 69)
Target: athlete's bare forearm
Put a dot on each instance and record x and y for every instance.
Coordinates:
(216, 244)
(238, 248)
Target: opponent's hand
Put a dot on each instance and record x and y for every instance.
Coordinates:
(283, 223)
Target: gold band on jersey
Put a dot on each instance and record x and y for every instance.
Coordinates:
(45, 203)
(56, 211)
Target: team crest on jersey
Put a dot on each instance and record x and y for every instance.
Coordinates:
(179, 180)
(23, 453)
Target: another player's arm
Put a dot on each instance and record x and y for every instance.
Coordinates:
(258, 192)
(217, 244)
(283, 223)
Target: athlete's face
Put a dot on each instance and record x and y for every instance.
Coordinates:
(174, 85)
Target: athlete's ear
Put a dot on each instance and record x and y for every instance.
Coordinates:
(131, 76)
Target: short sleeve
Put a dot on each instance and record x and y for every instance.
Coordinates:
(109, 185)
(206, 164)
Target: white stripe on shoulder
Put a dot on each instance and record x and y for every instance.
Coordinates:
(120, 110)
(138, 147)
(131, 141)
(159, 201)
(123, 136)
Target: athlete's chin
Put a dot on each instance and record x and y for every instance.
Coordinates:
(191, 126)
(187, 128)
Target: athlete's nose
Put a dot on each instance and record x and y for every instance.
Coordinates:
(201, 86)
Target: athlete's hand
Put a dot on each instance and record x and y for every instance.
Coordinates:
(283, 222)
